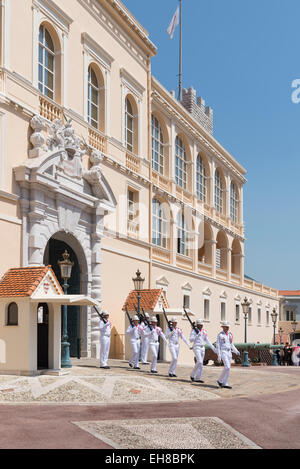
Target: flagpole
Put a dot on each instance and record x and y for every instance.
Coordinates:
(180, 55)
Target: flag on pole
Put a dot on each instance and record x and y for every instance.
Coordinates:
(173, 24)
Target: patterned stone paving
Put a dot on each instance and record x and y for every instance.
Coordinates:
(175, 433)
(87, 384)
(90, 388)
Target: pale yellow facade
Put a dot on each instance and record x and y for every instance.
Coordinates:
(95, 70)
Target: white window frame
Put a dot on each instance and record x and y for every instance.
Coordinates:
(201, 179)
(181, 164)
(219, 190)
(157, 146)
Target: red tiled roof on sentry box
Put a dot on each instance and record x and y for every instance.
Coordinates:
(149, 299)
(23, 281)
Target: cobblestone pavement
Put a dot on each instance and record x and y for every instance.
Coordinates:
(95, 408)
(88, 384)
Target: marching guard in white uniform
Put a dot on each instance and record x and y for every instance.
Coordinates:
(145, 343)
(173, 337)
(225, 348)
(105, 331)
(154, 333)
(135, 332)
(199, 341)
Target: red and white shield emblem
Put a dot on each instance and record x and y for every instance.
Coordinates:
(46, 287)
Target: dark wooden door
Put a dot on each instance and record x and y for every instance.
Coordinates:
(42, 336)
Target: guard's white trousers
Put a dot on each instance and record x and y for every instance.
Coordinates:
(104, 350)
(198, 368)
(174, 350)
(145, 349)
(154, 354)
(134, 359)
(226, 357)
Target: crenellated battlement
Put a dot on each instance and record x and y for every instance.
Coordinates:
(196, 106)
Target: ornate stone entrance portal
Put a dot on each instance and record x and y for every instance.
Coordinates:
(62, 200)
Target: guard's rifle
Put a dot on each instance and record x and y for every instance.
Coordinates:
(146, 320)
(141, 319)
(100, 315)
(191, 323)
(170, 325)
(129, 318)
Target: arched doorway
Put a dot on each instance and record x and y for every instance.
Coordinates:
(53, 253)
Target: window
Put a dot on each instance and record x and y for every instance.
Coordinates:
(250, 316)
(159, 225)
(290, 315)
(186, 301)
(46, 63)
(93, 98)
(259, 316)
(201, 179)
(237, 313)
(268, 318)
(129, 125)
(233, 203)
(206, 309)
(157, 146)
(218, 192)
(181, 164)
(12, 314)
(223, 311)
(182, 236)
(132, 212)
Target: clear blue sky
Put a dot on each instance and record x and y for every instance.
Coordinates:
(242, 57)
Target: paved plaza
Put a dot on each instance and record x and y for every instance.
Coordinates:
(125, 408)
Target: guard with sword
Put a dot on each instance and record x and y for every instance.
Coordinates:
(199, 338)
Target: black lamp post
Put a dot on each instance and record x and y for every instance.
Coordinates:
(138, 282)
(245, 306)
(65, 270)
(274, 316)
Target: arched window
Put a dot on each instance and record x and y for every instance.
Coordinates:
(46, 63)
(157, 146)
(201, 179)
(181, 164)
(234, 203)
(129, 125)
(218, 192)
(182, 236)
(93, 99)
(159, 225)
(12, 315)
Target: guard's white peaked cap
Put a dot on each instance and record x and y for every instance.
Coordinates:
(153, 319)
(200, 322)
(225, 324)
(135, 318)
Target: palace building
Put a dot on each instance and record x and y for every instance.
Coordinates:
(99, 159)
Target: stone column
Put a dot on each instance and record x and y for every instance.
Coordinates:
(96, 292)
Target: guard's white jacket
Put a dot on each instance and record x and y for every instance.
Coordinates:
(105, 329)
(154, 334)
(225, 343)
(174, 336)
(200, 339)
(134, 332)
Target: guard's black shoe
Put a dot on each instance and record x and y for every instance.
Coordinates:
(227, 387)
(130, 365)
(174, 376)
(153, 371)
(220, 384)
(106, 367)
(137, 368)
(198, 381)
(192, 379)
